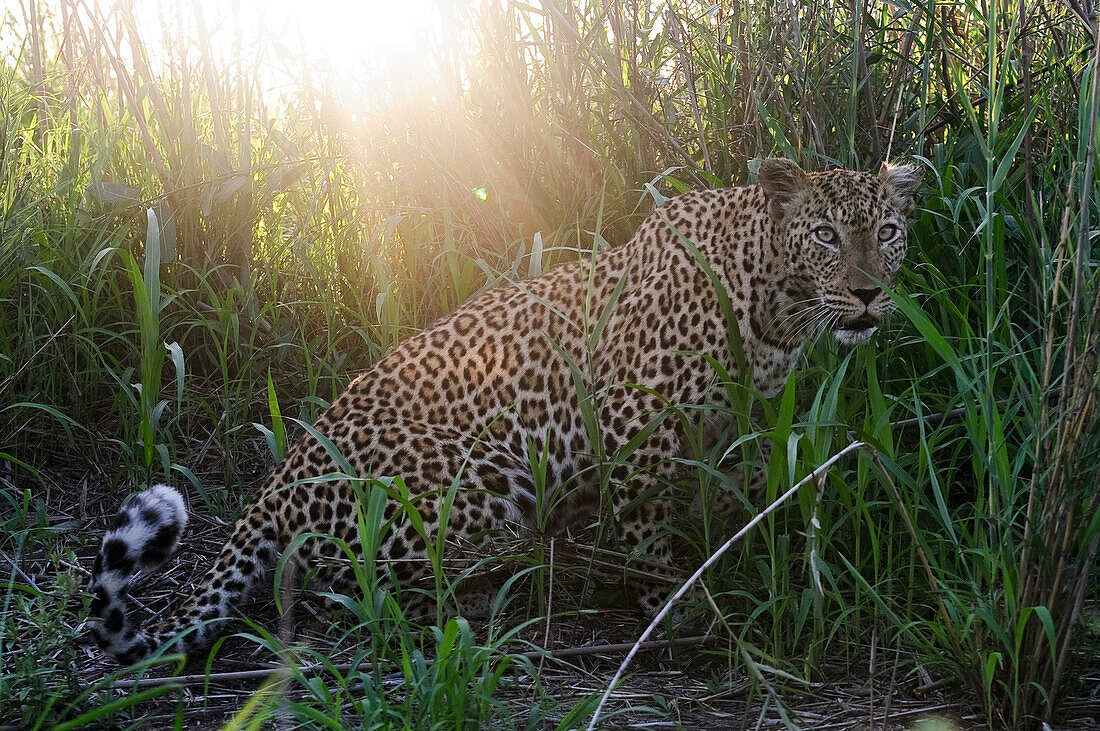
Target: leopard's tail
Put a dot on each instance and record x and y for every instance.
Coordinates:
(145, 535)
(142, 537)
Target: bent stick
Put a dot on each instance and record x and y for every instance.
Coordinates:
(707, 564)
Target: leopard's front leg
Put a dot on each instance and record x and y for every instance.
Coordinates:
(731, 500)
(644, 525)
(645, 469)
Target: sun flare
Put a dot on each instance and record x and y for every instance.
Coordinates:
(345, 37)
(346, 32)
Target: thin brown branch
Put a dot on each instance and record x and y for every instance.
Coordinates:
(929, 575)
(26, 364)
(264, 672)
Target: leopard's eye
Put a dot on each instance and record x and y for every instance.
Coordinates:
(826, 235)
(887, 232)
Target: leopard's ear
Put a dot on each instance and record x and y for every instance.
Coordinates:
(900, 184)
(782, 181)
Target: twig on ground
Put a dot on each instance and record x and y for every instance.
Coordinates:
(344, 667)
(19, 572)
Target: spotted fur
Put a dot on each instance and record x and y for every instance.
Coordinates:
(144, 535)
(475, 395)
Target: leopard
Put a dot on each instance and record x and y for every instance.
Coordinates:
(564, 370)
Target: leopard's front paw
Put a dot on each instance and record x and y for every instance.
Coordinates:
(688, 615)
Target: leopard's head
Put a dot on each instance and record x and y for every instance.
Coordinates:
(843, 236)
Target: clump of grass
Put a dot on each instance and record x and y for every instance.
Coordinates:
(44, 671)
(400, 673)
(41, 681)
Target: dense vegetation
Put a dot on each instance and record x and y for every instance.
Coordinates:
(190, 262)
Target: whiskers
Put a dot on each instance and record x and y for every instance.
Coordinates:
(820, 318)
(785, 310)
(797, 320)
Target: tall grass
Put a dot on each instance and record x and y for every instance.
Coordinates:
(184, 253)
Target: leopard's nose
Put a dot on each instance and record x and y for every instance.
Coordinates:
(866, 296)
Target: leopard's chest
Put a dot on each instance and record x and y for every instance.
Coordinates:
(772, 367)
